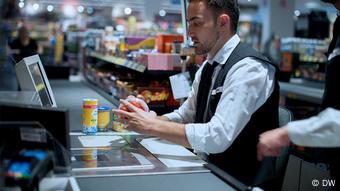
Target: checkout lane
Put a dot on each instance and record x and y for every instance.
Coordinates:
(158, 177)
(303, 90)
(70, 95)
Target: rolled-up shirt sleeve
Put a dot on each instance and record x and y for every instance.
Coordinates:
(246, 88)
(322, 130)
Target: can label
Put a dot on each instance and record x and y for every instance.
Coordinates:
(90, 116)
(103, 119)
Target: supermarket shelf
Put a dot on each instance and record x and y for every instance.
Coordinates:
(163, 72)
(158, 108)
(95, 86)
(118, 61)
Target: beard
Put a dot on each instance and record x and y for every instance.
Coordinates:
(206, 46)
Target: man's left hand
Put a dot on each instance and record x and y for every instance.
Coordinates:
(137, 119)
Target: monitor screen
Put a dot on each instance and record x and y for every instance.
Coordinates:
(39, 83)
(32, 77)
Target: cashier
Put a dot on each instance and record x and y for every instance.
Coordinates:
(234, 96)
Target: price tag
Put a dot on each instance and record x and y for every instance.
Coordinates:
(180, 85)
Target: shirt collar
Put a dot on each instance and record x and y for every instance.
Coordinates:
(223, 54)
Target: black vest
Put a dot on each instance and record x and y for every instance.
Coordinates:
(331, 97)
(239, 160)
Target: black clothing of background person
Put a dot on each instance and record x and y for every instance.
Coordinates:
(331, 97)
(23, 46)
(25, 51)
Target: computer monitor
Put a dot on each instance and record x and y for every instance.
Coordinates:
(55, 120)
(32, 77)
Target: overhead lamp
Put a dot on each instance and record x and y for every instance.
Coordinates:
(127, 11)
(21, 4)
(49, 8)
(80, 9)
(30, 10)
(312, 5)
(162, 12)
(89, 10)
(297, 13)
(35, 6)
(69, 11)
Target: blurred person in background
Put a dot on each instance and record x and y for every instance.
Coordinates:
(52, 46)
(22, 46)
(272, 49)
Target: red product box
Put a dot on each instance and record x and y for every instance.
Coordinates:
(163, 61)
(163, 42)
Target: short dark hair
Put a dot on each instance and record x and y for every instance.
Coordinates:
(230, 7)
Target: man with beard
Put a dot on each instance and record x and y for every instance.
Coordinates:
(234, 96)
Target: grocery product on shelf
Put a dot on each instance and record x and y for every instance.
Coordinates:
(303, 58)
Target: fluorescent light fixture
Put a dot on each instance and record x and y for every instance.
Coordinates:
(49, 8)
(162, 12)
(30, 10)
(69, 11)
(89, 10)
(35, 6)
(21, 4)
(127, 11)
(297, 13)
(80, 9)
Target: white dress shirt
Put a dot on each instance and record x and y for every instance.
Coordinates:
(247, 86)
(322, 130)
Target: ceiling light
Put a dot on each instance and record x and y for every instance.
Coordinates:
(35, 6)
(297, 13)
(127, 11)
(69, 11)
(21, 4)
(80, 9)
(49, 8)
(162, 13)
(89, 10)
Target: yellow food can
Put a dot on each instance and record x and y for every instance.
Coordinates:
(103, 118)
(90, 158)
(90, 116)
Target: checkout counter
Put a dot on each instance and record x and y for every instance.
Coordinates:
(131, 161)
(303, 90)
